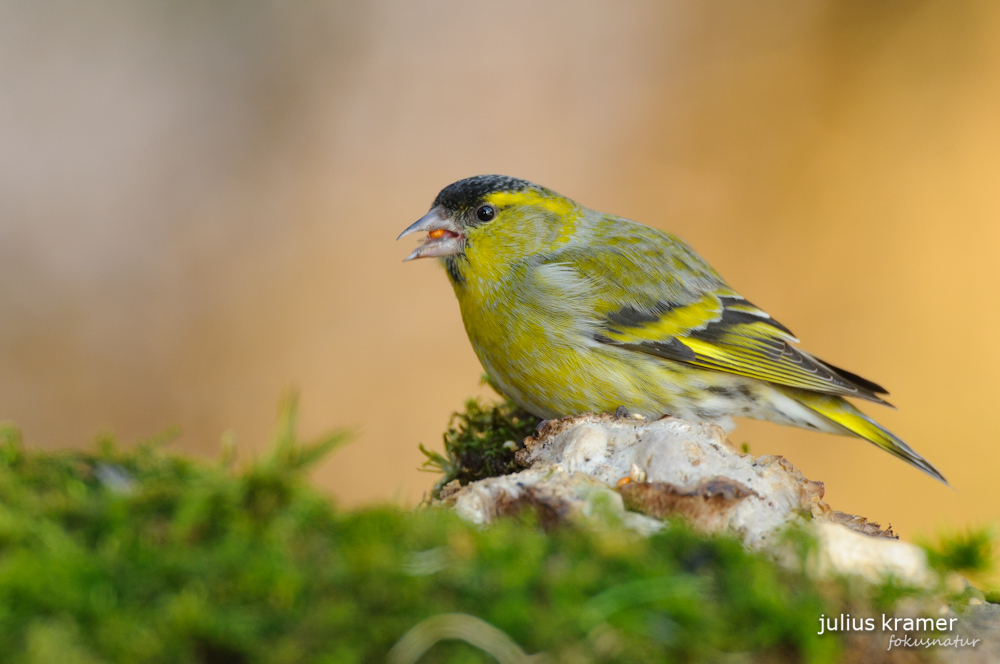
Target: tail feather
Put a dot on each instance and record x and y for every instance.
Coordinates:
(852, 421)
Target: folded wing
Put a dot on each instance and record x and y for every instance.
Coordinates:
(727, 333)
(655, 295)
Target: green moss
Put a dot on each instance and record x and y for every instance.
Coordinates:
(144, 556)
(887, 594)
(140, 555)
(480, 442)
(969, 552)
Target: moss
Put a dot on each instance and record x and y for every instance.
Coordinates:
(141, 555)
(969, 552)
(480, 442)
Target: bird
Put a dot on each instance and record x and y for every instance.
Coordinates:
(571, 310)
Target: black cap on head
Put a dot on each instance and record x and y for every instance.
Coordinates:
(464, 194)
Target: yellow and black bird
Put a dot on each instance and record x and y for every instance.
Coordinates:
(571, 310)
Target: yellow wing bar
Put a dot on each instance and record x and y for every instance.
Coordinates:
(727, 333)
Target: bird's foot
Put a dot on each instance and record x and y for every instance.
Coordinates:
(623, 413)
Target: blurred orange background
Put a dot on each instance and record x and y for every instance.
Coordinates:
(199, 201)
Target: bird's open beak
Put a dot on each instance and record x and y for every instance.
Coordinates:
(444, 238)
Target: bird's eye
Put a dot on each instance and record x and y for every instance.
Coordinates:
(485, 213)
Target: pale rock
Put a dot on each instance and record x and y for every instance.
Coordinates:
(580, 466)
(845, 551)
